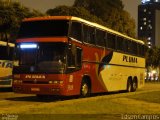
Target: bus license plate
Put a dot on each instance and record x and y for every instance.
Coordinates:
(35, 89)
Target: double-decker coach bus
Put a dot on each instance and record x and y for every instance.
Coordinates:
(6, 64)
(66, 55)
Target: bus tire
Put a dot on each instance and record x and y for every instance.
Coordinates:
(85, 89)
(129, 85)
(134, 85)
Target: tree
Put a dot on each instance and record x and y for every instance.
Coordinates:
(109, 13)
(12, 14)
(112, 13)
(99, 7)
(74, 11)
(153, 59)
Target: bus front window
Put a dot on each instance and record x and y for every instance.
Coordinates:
(47, 57)
(51, 57)
(28, 54)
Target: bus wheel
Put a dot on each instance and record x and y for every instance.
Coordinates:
(129, 85)
(134, 86)
(85, 89)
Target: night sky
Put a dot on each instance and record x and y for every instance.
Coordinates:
(43, 5)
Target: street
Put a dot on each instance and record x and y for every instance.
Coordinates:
(111, 104)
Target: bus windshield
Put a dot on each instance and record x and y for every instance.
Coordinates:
(47, 57)
(45, 28)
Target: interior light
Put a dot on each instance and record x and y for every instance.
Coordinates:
(28, 46)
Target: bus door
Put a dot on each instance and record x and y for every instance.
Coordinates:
(74, 64)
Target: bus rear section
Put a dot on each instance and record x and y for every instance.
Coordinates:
(6, 64)
(6, 73)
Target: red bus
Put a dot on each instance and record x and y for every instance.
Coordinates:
(66, 55)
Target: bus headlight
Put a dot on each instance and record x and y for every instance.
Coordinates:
(16, 76)
(50, 82)
(17, 81)
(55, 89)
(56, 82)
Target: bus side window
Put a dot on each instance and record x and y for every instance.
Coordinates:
(105, 39)
(142, 53)
(85, 33)
(119, 43)
(74, 57)
(89, 34)
(71, 56)
(125, 46)
(111, 40)
(4, 54)
(76, 31)
(134, 46)
(130, 46)
(79, 58)
(100, 38)
(16, 55)
(11, 51)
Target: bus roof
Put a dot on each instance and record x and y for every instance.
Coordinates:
(83, 21)
(2, 43)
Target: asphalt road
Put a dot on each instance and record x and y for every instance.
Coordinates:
(7, 94)
(18, 103)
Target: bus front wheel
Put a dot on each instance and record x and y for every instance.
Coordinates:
(85, 89)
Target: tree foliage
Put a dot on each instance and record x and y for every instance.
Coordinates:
(153, 60)
(153, 57)
(106, 12)
(11, 14)
(112, 13)
(99, 7)
(74, 11)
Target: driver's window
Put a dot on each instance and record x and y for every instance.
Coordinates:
(71, 56)
(74, 56)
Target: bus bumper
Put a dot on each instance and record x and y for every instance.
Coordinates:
(5, 83)
(39, 89)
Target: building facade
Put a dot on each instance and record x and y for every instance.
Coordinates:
(149, 22)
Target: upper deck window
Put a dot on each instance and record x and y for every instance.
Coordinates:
(45, 28)
(76, 31)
